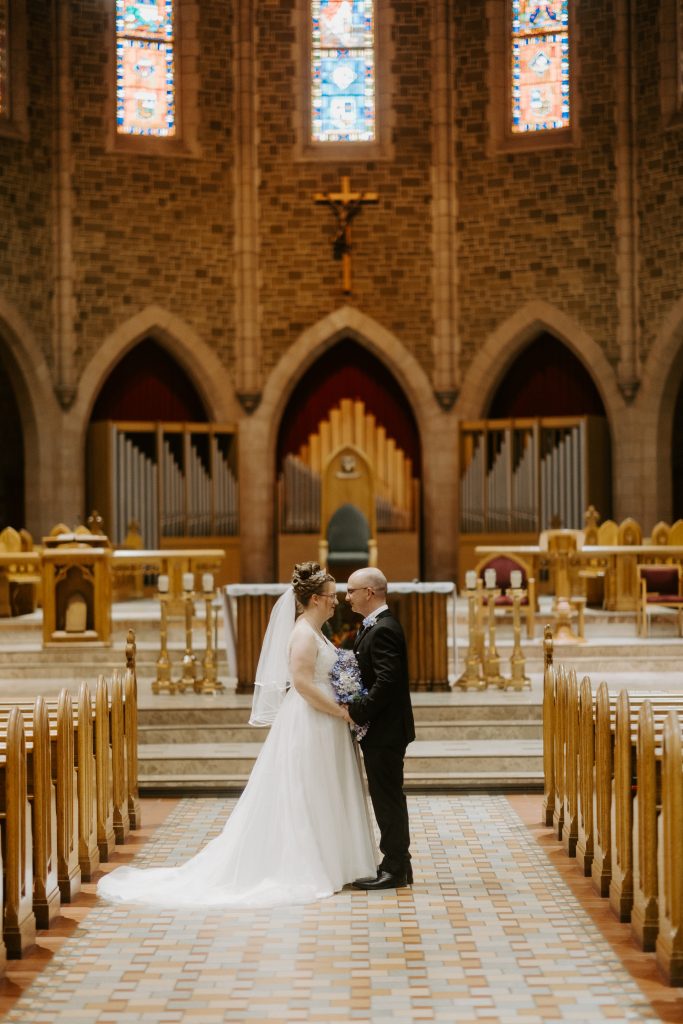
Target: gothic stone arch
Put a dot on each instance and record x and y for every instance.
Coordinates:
(258, 439)
(654, 409)
(193, 355)
(41, 417)
(499, 350)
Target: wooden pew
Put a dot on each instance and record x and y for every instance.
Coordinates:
(669, 946)
(19, 922)
(131, 730)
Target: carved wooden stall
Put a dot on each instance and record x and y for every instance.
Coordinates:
(349, 460)
(178, 481)
(76, 587)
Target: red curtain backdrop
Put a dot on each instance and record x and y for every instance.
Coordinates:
(147, 384)
(546, 380)
(348, 371)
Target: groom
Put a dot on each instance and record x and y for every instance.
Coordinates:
(381, 652)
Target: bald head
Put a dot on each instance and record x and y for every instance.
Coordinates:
(367, 590)
(369, 577)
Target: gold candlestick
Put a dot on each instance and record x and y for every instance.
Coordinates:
(189, 661)
(163, 682)
(518, 680)
(210, 682)
(492, 673)
(472, 679)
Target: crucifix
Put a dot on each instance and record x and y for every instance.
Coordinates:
(345, 205)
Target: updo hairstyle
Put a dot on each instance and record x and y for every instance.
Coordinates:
(309, 579)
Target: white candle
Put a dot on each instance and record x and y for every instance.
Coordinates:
(207, 583)
(188, 581)
(516, 579)
(490, 578)
(162, 584)
(471, 580)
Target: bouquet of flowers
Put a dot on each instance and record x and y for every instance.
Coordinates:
(347, 683)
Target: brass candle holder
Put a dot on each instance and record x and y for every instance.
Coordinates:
(492, 673)
(518, 679)
(189, 663)
(472, 678)
(163, 683)
(209, 683)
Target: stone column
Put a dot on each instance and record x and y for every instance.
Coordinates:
(627, 203)
(444, 210)
(64, 307)
(246, 245)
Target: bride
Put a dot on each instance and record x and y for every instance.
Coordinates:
(301, 829)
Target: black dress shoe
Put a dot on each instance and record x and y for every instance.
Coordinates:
(360, 883)
(384, 880)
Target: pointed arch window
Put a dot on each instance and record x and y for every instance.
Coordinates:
(4, 58)
(145, 68)
(13, 64)
(343, 71)
(539, 66)
(671, 61)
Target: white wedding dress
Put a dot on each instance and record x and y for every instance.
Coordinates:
(300, 831)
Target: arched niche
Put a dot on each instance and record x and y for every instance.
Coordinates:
(348, 370)
(148, 384)
(349, 397)
(12, 483)
(546, 379)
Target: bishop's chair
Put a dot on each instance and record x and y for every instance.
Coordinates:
(347, 511)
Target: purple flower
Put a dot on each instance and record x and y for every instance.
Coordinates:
(347, 683)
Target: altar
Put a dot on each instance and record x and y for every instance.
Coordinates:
(425, 610)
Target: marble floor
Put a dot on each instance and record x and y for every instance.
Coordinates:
(498, 927)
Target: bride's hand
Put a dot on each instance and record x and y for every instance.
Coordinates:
(345, 715)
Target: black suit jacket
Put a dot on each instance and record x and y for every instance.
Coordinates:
(383, 660)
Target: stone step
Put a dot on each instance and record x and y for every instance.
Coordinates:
(184, 732)
(500, 757)
(228, 711)
(414, 782)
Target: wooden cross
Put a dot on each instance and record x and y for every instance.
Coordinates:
(345, 205)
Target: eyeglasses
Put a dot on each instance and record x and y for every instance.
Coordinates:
(333, 596)
(353, 590)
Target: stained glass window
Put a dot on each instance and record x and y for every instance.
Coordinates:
(342, 71)
(145, 68)
(540, 66)
(4, 59)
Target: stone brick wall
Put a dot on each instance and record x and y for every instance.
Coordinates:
(153, 228)
(660, 172)
(158, 229)
(391, 242)
(26, 256)
(537, 224)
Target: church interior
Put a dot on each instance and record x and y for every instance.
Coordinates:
(368, 283)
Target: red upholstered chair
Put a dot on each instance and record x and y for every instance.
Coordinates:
(661, 586)
(504, 565)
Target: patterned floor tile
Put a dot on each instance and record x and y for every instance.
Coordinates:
(489, 932)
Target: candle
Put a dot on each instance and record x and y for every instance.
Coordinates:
(516, 579)
(471, 580)
(490, 578)
(188, 581)
(207, 583)
(162, 584)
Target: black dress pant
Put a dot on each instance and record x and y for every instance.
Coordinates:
(384, 769)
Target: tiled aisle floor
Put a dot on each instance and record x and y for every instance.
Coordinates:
(489, 932)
